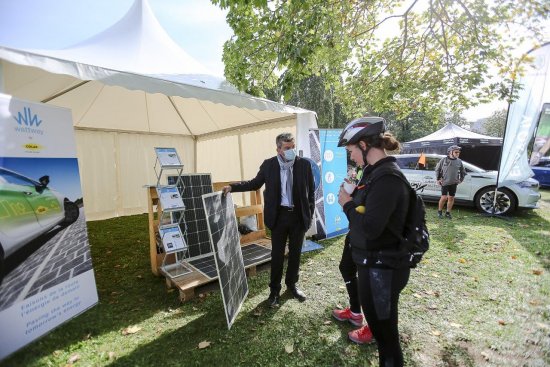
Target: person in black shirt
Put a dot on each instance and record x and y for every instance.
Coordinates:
(376, 211)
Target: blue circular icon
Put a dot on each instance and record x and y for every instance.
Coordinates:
(316, 172)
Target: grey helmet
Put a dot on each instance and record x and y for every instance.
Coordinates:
(453, 147)
(361, 127)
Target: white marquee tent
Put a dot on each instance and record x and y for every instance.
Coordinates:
(131, 88)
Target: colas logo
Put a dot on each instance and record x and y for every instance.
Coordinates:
(27, 122)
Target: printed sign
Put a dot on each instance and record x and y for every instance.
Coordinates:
(168, 157)
(334, 167)
(46, 277)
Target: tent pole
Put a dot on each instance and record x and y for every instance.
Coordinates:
(501, 151)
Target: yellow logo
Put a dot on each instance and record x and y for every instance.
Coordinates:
(32, 146)
(41, 210)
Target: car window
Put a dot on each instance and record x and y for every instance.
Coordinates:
(407, 162)
(431, 162)
(544, 162)
(14, 178)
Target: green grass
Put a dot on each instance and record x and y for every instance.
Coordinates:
(480, 298)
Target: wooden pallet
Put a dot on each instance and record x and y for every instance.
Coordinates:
(187, 283)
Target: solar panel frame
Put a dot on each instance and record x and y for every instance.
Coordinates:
(225, 240)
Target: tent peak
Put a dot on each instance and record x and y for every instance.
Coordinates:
(136, 43)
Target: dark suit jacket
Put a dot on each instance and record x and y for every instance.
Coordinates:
(303, 190)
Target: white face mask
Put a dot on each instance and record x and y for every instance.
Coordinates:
(290, 154)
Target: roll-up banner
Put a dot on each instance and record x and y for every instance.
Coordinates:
(46, 269)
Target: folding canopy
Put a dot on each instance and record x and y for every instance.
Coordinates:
(478, 149)
(131, 88)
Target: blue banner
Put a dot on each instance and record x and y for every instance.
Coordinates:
(334, 170)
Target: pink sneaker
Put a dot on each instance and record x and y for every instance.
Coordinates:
(361, 336)
(347, 315)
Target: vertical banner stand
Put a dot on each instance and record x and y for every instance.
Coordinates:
(169, 229)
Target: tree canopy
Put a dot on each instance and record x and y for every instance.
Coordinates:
(422, 56)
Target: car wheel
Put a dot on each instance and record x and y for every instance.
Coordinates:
(505, 204)
(71, 213)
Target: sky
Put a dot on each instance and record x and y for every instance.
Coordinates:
(196, 25)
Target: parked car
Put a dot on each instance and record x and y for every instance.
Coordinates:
(29, 209)
(542, 172)
(477, 189)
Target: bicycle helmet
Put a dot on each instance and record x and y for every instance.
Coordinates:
(453, 147)
(361, 127)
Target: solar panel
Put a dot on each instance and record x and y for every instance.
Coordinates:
(194, 227)
(206, 265)
(253, 254)
(225, 240)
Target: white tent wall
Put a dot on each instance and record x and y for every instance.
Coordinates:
(115, 166)
(237, 154)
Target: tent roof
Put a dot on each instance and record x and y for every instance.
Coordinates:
(451, 131)
(451, 134)
(164, 90)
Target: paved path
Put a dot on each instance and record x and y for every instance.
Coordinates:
(62, 257)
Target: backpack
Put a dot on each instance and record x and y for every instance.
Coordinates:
(415, 239)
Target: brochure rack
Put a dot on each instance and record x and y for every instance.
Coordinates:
(170, 201)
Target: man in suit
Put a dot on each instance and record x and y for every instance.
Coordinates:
(289, 201)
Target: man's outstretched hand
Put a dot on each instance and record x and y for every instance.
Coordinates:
(225, 190)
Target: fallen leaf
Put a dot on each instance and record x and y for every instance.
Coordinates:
(537, 272)
(514, 257)
(432, 307)
(328, 322)
(417, 295)
(73, 358)
(436, 332)
(131, 330)
(453, 324)
(462, 261)
(501, 322)
(204, 344)
(139, 276)
(319, 273)
(289, 348)
(534, 302)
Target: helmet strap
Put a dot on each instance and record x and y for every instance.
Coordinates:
(364, 153)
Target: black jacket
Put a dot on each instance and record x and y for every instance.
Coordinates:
(303, 190)
(386, 202)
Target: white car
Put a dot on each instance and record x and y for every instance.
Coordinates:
(477, 189)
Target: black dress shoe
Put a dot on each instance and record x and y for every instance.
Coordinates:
(273, 300)
(297, 293)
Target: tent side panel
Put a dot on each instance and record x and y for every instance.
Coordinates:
(97, 165)
(115, 167)
(136, 157)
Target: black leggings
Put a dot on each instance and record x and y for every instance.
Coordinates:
(348, 269)
(379, 293)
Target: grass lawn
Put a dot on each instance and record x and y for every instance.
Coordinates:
(481, 297)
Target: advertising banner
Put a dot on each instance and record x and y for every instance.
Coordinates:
(523, 116)
(334, 170)
(46, 275)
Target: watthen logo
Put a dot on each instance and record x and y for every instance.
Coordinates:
(27, 122)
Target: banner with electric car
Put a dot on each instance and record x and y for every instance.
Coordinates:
(46, 275)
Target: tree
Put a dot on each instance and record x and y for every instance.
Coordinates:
(312, 94)
(495, 124)
(439, 56)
